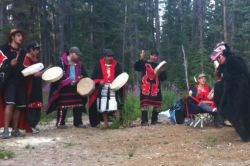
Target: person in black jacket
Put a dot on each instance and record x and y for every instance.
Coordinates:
(14, 84)
(67, 96)
(232, 93)
(150, 86)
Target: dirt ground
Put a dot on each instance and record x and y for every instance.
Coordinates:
(154, 145)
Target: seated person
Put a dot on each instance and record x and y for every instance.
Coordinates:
(200, 100)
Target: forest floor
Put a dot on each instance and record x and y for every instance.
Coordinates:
(153, 145)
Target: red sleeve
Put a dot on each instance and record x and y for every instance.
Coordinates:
(26, 62)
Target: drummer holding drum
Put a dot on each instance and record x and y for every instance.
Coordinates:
(33, 75)
(63, 92)
(105, 99)
(152, 76)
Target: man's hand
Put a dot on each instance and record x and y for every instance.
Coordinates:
(38, 74)
(13, 62)
(142, 54)
(163, 68)
(102, 82)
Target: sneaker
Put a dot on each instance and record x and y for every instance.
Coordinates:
(81, 126)
(227, 123)
(35, 130)
(62, 127)
(17, 133)
(6, 134)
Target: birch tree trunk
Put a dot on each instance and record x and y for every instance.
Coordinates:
(157, 26)
(225, 21)
(124, 34)
(185, 66)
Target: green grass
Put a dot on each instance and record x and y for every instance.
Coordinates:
(6, 154)
(165, 142)
(131, 153)
(168, 99)
(131, 110)
(69, 144)
(211, 141)
(115, 123)
(45, 119)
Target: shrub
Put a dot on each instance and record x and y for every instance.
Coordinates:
(168, 99)
(131, 109)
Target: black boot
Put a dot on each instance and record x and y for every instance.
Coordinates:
(154, 118)
(61, 115)
(218, 120)
(144, 118)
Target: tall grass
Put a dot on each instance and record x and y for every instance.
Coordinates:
(168, 99)
(45, 119)
(131, 109)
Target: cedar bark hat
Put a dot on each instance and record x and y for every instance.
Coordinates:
(14, 31)
(202, 75)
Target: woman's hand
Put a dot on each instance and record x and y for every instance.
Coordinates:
(142, 55)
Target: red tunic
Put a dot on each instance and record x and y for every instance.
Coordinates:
(202, 95)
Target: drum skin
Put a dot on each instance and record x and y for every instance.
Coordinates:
(85, 86)
(158, 67)
(119, 81)
(53, 74)
(32, 69)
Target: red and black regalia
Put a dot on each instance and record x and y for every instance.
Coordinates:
(13, 87)
(198, 100)
(34, 94)
(63, 93)
(103, 75)
(150, 88)
(233, 93)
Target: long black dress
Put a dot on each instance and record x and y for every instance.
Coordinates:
(232, 95)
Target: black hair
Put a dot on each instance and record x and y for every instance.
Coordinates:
(227, 52)
(154, 53)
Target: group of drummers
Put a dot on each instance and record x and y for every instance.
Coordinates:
(22, 75)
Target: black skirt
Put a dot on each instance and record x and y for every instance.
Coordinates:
(69, 98)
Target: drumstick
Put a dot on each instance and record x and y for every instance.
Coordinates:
(195, 80)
